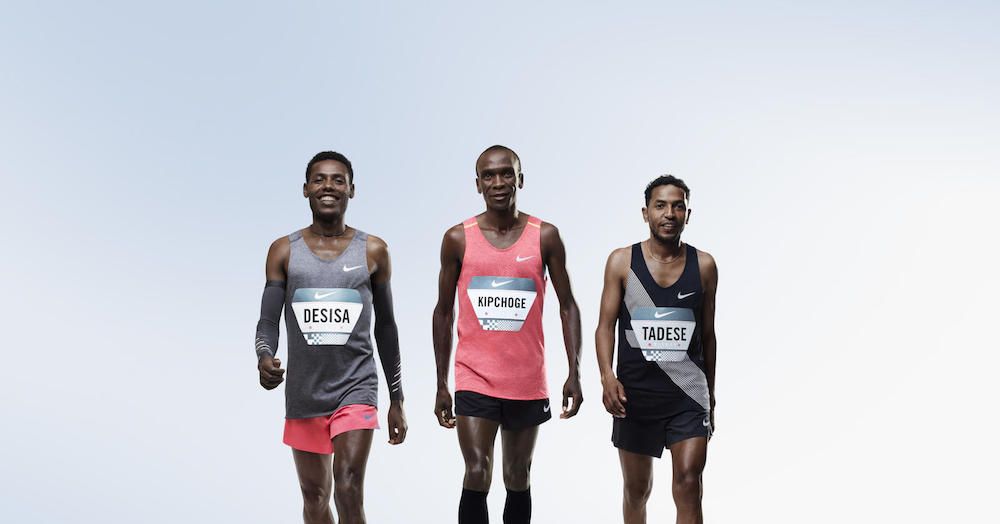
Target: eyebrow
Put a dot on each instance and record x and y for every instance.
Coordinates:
(496, 170)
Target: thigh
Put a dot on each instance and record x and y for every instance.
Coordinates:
(518, 444)
(476, 436)
(351, 450)
(313, 469)
(637, 469)
(688, 456)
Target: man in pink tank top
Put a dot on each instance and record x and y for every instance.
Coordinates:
(496, 263)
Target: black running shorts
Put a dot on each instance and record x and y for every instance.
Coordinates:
(511, 414)
(648, 435)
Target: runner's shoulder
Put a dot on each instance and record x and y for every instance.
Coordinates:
(707, 267)
(706, 261)
(279, 248)
(620, 260)
(454, 235)
(375, 245)
(547, 231)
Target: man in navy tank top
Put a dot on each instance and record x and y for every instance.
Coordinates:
(661, 293)
(331, 279)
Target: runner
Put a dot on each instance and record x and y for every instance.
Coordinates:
(329, 277)
(662, 294)
(496, 261)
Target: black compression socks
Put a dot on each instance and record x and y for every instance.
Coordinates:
(472, 508)
(517, 510)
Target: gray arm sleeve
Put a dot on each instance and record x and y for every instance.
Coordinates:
(387, 339)
(266, 341)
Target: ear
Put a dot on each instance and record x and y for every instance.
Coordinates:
(688, 217)
(479, 188)
(644, 217)
(520, 180)
(351, 195)
(305, 193)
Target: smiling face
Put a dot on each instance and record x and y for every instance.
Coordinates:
(498, 177)
(666, 213)
(328, 188)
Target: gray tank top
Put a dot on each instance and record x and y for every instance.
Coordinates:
(328, 309)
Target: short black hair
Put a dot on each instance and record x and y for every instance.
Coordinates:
(498, 147)
(330, 155)
(667, 180)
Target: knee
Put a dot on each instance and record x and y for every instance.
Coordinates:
(637, 491)
(687, 481)
(315, 496)
(348, 483)
(517, 474)
(478, 473)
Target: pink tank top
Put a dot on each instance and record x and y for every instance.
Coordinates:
(501, 349)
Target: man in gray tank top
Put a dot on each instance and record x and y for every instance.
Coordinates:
(329, 277)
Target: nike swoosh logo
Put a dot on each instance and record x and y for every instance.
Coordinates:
(657, 315)
(681, 296)
(320, 296)
(704, 422)
(368, 417)
(546, 408)
(520, 259)
(352, 268)
(498, 284)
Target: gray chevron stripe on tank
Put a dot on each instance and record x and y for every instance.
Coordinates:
(686, 374)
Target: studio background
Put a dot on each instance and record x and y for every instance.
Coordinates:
(843, 166)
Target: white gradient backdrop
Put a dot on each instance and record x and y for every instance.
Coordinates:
(843, 161)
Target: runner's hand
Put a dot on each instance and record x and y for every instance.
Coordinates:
(442, 409)
(571, 390)
(271, 373)
(397, 423)
(614, 396)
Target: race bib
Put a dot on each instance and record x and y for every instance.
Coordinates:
(663, 333)
(501, 303)
(326, 316)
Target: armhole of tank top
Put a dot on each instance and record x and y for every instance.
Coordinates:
(362, 237)
(535, 223)
(637, 263)
(467, 224)
(696, 267)
(628, 270)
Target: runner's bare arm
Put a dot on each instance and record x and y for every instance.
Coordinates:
(452, 251)
(554, 255)
(710, 282)
(611, 298)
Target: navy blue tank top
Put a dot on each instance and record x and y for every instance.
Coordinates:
(660, 359)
